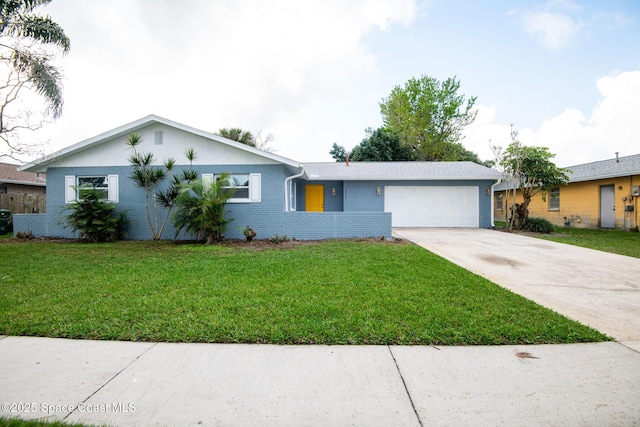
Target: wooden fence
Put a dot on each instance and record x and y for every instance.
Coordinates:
(23, 203)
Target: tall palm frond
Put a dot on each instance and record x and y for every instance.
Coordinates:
(239, 135)
(18, 22)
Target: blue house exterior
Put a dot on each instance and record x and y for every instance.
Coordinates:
(279, 196)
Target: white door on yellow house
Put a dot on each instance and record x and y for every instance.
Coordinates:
(314, 198)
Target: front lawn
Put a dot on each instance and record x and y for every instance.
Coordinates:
(338, 292)
(615, 241)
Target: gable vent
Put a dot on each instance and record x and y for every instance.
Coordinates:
(157, 137)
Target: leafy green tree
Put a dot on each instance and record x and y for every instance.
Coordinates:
(200, 208)
(95, 219)
(26, 42)
(150, 178)
(533, 171)
(338, 152)
(429, 116)
(380, 145)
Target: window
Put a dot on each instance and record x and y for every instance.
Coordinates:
(77, 186)
(157, 137)
(499, 197)
(246, 186)
(3, 190)
(240, 184)
(88, 183)
(554, 199)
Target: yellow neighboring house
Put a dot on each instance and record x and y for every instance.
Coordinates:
(601, 194)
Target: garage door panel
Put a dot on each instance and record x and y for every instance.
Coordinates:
(445, 206)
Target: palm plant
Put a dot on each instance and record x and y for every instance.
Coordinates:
(200, 208)
(19, 23)
(237, 134)
(95, 219)
(147, 177)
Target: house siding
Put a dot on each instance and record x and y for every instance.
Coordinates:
(580, 204)
(332, 203)
(361, 196)
(262, 216)
(334, 225)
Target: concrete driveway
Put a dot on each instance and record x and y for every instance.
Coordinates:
(596, 288)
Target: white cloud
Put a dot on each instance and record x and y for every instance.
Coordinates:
(555, 31)
(574, 136)
(248, 63)
(551, 24)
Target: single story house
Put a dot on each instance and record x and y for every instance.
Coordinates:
(15, 181)
(602, 194)
(274, 195)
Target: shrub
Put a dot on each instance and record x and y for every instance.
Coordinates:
(200, 208)
(249, 233)
(95, 219)
(278, 239)
(537, 225)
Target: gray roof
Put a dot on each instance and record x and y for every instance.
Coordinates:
(365, 171)
(602, 169)
(611, 168)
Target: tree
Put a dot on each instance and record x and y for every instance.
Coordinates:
(248, 138)
(531, 169)
(338, 152)
(200, 208)
(149, 177)
(239, 135)
(380, 145)
(429, 116)
(27, 45)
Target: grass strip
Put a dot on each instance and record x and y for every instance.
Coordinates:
(615, 241)
(335, 292)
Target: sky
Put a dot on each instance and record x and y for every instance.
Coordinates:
(565, 74)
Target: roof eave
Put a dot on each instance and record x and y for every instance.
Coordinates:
(15, 182)
(398, 178)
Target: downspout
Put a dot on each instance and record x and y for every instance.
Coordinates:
(493, 197)
(287, 190)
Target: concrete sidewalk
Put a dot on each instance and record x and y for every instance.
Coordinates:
(149, 384)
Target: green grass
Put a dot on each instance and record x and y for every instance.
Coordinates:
(339, 292)
(615, 241)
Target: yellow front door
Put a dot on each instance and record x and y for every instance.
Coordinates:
(314, 198)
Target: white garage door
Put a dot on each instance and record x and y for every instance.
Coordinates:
(432, 206)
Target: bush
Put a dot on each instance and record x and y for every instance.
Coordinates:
(95, 219)
(200, 208)
(249, 233)
(537, 225)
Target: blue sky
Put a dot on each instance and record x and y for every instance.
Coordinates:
(566, 74)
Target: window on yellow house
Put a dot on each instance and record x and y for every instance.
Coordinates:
(554, 199)
(499, 201)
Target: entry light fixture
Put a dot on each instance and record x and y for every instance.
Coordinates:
(378, 190)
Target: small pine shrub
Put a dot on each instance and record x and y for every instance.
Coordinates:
(95, 219)
(537, 225)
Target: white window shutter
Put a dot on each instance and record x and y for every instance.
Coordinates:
(69, 189)
(255, 190)
(113, 189)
